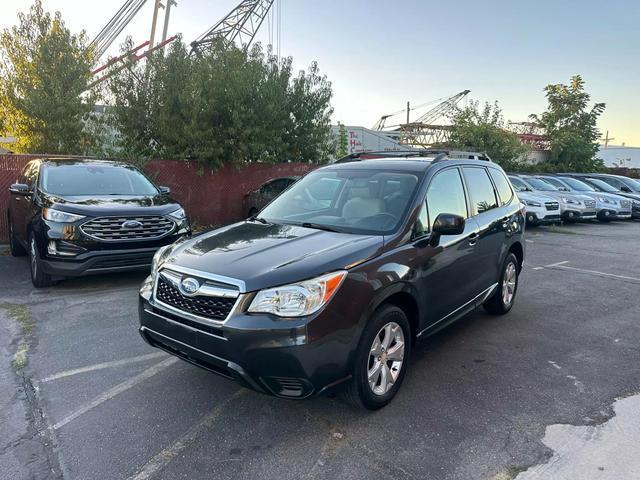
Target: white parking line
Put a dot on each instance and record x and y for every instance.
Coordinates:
(100, 366)
(163, 458)
(112, 392)
(561, 266)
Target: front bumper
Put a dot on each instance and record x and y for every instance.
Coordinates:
(571, 213)
(537, 215)
(277, 357)
(99, 261)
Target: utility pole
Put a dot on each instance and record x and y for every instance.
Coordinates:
(156, 7)
(607, 139)
(408, 110)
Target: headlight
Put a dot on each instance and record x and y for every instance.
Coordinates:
(298, 299)
(570, 200)
(62, 217)
(178, 214)
(636, 203)
(531, 203)
(606, 200)
(157, 259)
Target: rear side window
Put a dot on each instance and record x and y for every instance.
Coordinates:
(502, 185)
(483, 196)
(446, 195)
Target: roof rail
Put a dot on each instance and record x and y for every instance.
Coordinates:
(452, 154)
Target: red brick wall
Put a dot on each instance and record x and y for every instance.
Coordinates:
(210, 197)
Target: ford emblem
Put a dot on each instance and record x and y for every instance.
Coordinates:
(131, 224)
(189, 286)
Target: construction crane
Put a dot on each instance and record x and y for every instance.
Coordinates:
(240, 25)
(103, 40)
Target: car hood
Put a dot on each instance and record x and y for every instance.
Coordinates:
(113, 204)
(558, 194)
(536, 196)
(269, 255)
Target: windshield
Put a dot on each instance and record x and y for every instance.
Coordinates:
(350, 201)
(578, 185)
(604, 186)
(519, 185)
(634, 185)
(541, 185)
(95, 179)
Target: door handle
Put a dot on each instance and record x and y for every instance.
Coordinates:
(473, 238)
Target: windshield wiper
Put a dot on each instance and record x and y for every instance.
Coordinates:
(318, 226)
(258, 219)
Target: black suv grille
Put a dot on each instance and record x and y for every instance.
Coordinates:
(215, 308)
(552, 205)
(128, 228)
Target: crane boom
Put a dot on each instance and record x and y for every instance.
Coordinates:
(241, 25)
(442, 108)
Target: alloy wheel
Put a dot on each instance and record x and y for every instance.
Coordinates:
(509, 284)
(386, 357)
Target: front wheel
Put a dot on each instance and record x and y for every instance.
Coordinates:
(381, 360)
(502, 300)
(38, 277)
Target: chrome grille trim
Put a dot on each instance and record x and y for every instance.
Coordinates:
(111, 229)
(590, 203)
(171, 274)
(552, 205)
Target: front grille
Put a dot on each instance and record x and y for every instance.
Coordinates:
(136, 260)
(215, 308)
(552, 205)
(590, 203)
(625, 204)
(111, 229)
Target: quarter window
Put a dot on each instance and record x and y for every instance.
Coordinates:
(483, 196)
(502, 185)
(446, 195)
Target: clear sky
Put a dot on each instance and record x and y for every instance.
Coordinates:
(381, 53)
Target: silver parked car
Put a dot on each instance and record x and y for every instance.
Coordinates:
(539, 208)
(573, 207)
(608, 206)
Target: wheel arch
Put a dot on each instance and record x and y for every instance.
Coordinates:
(517, 249)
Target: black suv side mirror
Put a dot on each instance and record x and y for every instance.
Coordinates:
(164, 190)
(20, 189)
(448, 224)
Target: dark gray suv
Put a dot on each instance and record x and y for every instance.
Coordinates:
(311, 296)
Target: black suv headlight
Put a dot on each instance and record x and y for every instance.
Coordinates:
(54, 215)
(178, 214)
(298, 299)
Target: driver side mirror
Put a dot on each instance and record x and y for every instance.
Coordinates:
(448, 224)
(626, 189)
(21, 189)
(164, 190)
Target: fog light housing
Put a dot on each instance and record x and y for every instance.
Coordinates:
(61, 248)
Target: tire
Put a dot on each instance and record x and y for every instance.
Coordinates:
(388, 322)
(15, 247)
(38, 277)
(502, 300)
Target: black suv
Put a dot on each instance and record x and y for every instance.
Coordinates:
(313, 295)
(79, 216)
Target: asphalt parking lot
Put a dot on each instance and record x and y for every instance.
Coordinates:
(83, 397)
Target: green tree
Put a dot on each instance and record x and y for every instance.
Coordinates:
(44, 70)
(484, 130)
(224, 106)
(571, 126)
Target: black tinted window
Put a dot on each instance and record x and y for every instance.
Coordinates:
(502, 185)
(483, 197)
(446, 195)
(95, 179)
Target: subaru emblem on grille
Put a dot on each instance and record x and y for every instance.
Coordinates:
(131, 224)
(189, 286)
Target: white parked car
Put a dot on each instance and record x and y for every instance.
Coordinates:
(539, 208)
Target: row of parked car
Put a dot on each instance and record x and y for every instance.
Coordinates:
(571, 197)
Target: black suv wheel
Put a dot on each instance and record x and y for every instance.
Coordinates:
(381, 360)
(16, 248)
(38, 277)
(502, 300)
